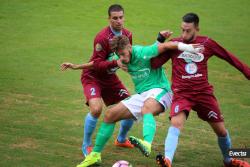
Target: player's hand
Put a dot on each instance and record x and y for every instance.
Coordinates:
(166, 33)
(65, 66)
(123, 66)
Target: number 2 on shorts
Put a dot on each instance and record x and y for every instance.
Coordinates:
(92, 90)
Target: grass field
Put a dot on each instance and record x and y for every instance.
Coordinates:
(42, 108)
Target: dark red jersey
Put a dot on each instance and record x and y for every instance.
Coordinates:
(104, 71)
(189, 71)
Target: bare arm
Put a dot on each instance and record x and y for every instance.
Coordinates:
(67, 65)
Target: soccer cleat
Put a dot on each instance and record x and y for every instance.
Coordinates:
(93, 159)
(126, 144)
(144, 146)
(86, 150)
(237, 163)
(162, 162)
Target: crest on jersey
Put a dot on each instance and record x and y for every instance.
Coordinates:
(98, 47)
(191, 68)
(188, 57)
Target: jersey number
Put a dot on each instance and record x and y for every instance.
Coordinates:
(92, 90)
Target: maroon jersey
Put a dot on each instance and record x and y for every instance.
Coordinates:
(104, 71)
(189, 71)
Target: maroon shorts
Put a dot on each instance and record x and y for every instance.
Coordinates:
(205, 105)
(110, 95)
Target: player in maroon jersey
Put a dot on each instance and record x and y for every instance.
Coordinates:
(100, 83)
(192, 90)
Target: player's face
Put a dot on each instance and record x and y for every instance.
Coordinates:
(125, 54)
(189, 31)
(116, 20)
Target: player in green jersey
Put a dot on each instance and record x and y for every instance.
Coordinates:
(153, 94)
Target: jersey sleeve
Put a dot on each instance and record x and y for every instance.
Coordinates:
(100, 54)
(130, 38)
(222, 53)
(159, 60)
(150, 51)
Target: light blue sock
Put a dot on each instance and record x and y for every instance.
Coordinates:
(125, 126)
(225, 144)
(89, 127)
(171, 142)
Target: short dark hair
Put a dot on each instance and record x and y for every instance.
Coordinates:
(119, 42)
(191, 18)
(115, 8)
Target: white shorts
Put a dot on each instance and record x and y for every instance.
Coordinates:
(135, 102)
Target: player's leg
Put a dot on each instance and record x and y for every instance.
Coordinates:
(112, 115)
(224, 142)
(150, 107)
(155, 101)
(93, 96)
(210, 112)
(106, 130)
(113, 96)
(179, 112)
(171, 141)
(159, 100)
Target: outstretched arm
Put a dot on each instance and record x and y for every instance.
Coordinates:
(67, 65)
(193, 48)
(163, 46)
(222, 53)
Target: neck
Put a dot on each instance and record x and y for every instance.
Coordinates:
(115, 32)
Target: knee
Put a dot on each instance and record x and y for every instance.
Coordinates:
(96, 111)
(177, 124)
(108, 117)
(219, 128)
(221, 133)
(155, 109)
(145, 109)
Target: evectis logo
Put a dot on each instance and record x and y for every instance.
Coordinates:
(187, 56)
(239, 153)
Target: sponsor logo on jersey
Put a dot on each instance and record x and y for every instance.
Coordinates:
(98, 47)
(191, 76)
(141, 74)
(188, 57)
(191, 68)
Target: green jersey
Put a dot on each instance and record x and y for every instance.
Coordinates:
(143, 76)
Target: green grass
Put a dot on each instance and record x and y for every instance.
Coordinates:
(42, 108)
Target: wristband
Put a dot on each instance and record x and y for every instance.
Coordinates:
(160, 38)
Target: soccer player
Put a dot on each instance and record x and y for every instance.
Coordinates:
(153, 94)
(191, 89)
(101, 84)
